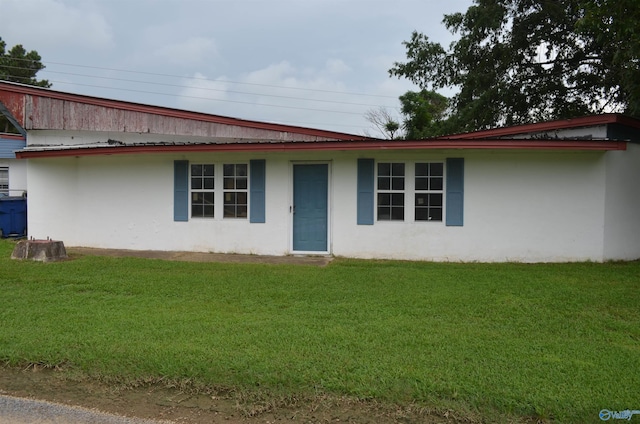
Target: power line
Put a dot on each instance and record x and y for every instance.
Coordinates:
(206, 79)
(205, 88)
(205, 98)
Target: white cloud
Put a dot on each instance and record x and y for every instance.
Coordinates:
(190, 52)
(280, 92)
(47, 23)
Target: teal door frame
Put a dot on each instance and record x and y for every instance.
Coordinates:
(310, 222)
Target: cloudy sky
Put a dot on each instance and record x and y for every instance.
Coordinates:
(312, 63)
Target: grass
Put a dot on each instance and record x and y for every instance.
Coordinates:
(550, 341)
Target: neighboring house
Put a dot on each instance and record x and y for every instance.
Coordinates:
(113, 174)
(13, 173)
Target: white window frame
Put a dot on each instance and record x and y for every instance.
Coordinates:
(433, 182)
(392, 192)
(202, 190)
(233, 188)
(4, 180)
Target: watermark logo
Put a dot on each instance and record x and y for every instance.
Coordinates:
(606, 415)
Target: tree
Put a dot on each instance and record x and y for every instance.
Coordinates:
(520, 61)
(18, 65)
(425, 114)
(386, 124)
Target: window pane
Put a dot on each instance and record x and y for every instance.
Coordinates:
(196, 170)
(397, 169)
(384, 213)
(208, 211)
(384, 169)
(242, 211)
(422, 169)
(435, 214)
(422, 183)
(397, 183)
(422, 214)
(437, 169)
(397, 214)
(241, 170)
(229, 198)
(384, 199)
(230, 211)
(241, 183)
(421, 200)
(208, 183)
(436, 183)
(397, 199)
(384, 183)
(229, 183)
(228, 170)
(196, 210)
(207, 198)
(241, 198)
(207, 170)
(435, 200)
(196, 183)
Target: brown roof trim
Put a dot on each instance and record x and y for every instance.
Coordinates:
(585, 121)
(327, 146)
(174, 113)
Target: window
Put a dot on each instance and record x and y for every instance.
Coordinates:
(235, 190)
(390, 191)
(202, 190)
(4, 181)
(429, 185)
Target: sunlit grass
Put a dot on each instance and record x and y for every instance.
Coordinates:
(555, 341)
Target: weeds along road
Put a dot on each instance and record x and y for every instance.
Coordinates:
(15, 410)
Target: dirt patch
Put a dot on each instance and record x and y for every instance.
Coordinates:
(158, 401)
(201, 256)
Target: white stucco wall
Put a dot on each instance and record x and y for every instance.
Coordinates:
(519, 206)
(622, 204)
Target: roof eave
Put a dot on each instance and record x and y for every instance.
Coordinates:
(569, 145)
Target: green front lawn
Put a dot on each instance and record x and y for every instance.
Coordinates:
(554, 341)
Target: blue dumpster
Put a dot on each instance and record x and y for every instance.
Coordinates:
(13, 216)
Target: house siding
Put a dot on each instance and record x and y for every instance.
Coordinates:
(549, 208)
(622, 203)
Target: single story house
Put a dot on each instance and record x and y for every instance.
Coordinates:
(114, 174)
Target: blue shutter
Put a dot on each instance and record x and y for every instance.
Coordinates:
(455, 191)
(366, 180)
(181, 190)
(257, 174)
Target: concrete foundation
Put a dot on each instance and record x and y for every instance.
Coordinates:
(39, 250)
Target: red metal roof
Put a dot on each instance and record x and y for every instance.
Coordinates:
(584, 121)
(13, 96)
(40, 108)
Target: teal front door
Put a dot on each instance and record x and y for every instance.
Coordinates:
(310, 200)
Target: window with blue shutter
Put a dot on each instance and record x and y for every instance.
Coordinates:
(366, 184)
(455, 192)
(181, 190)
(257, 197)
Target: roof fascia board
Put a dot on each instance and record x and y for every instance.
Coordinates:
(331, 145)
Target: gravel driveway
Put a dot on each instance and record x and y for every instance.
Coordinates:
(15, 410)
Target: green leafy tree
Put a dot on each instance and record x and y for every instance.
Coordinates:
(425, 114)
(520, 61)
(18, 65)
